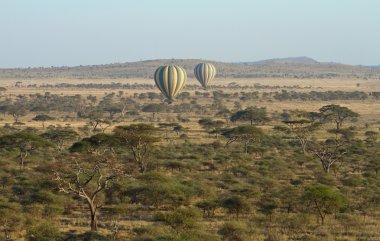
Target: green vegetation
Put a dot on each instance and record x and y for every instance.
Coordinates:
(128, 167)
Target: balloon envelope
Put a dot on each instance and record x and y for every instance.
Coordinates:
(170, 80)
(204, 73)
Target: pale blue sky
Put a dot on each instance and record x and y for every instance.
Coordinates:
(83, 32)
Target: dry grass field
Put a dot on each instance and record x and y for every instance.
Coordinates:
(368, 109)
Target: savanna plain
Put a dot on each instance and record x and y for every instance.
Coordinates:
(250, 158)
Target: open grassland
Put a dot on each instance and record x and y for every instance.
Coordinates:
(368, 109)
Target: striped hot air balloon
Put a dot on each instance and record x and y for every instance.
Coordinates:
(204, 73)
(170, 80)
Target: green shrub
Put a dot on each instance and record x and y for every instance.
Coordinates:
(233, 231)
(182, 218)
(44, 232)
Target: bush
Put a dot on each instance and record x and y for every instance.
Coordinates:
(158, 189)
(44, 232)
(233, 231)
(182, 218)
(275, 235)
(235, 205)
(87, 236)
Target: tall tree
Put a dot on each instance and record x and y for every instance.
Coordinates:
(86, 183)
(98, 144)
(226, 114)
(16, 111)
(25, 143)
(244, 134)
(323, 200)
(301, 126)
(154, 109)
(329, 152)
(60, 137)
(43, 118)
(139, 138)
(254, 115)
(337, 114)
(212, 126)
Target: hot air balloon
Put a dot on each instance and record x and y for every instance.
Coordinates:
(204, 73)
(170, 80)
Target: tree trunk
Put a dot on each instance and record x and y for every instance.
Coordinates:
(142, 167)
(303, 145)
(15, 117)
(22, 160)
(94, 220)
(322, 220)
(326, 169)
(95, 126)
(304, 149)
(6, 234)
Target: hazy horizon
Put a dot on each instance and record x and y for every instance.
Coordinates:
(45, 33)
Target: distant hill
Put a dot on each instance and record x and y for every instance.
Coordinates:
(298, 67)
(291, 60)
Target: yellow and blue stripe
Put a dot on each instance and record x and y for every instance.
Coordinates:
(204, 72)
(170, 80)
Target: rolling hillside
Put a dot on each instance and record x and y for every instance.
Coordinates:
(299, 67)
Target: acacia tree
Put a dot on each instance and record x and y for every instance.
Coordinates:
(178, 128)
(226, 114)
(337, 114)
(254, 115)
(374, 164)
(170, 127)
(245, 134)
(98, 144)
(236, 205)
(302, 128)
(323, 200)
(154, 109)
(11, 220)
(112, 110)
(139, 138)
(25, 143)
(60, 137)
(329, 152)
(212, 126)
(97, 119)
(16, 111)
(127, 103)
(43, 118)
(86, 183)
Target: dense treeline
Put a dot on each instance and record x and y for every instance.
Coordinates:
(321, 95)
(117, 102)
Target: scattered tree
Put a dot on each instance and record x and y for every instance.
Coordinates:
(43, 118)
(254, 115)
(139, 138)
(338, 114)
(60, 137)
(323, 200)
(245, 134)
(25, 143)
(86, 183)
